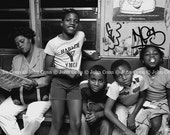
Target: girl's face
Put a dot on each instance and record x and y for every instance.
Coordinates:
(123, 76)
(151, 58)
(23, 44)
(70, 24)
(96, 81)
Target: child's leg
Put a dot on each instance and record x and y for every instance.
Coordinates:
(142, 122)
(142, 129)
(85, 130)
(164, 122)
(105, 127)
(75, 111)
(155, 125)
(58, 107)
(122, 113)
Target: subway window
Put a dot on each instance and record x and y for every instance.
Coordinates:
(12, 14)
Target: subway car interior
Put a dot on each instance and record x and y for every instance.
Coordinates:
(112, 29)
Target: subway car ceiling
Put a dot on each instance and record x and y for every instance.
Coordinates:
(49, 3)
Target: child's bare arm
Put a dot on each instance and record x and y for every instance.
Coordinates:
(114, 119)
(85, 110)
(132, 116)
(139, 103)
(99, 114)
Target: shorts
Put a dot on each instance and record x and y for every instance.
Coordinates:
(63, 89)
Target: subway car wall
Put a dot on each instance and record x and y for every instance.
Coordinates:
(16, 13)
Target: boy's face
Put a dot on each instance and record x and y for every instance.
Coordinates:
(70, 24)
(123, 76)
(96, 81)
(151, 58)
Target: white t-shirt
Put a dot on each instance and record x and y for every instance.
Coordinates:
(127, 96)
(67, 53)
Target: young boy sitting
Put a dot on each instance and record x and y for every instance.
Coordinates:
(94, 97)
(128, 92)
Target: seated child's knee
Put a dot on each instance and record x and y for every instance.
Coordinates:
(105, 123)
(156, 123)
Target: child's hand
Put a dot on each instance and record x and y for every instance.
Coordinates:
(72, 73)
(95, 56)
(128, 132)
(29, 86)
(131, 122)
(91, 118)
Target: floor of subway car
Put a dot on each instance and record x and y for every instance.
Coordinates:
(44, 129)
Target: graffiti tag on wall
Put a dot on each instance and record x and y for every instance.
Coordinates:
(122, 43)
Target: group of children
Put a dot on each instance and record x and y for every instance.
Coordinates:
(136, 103)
